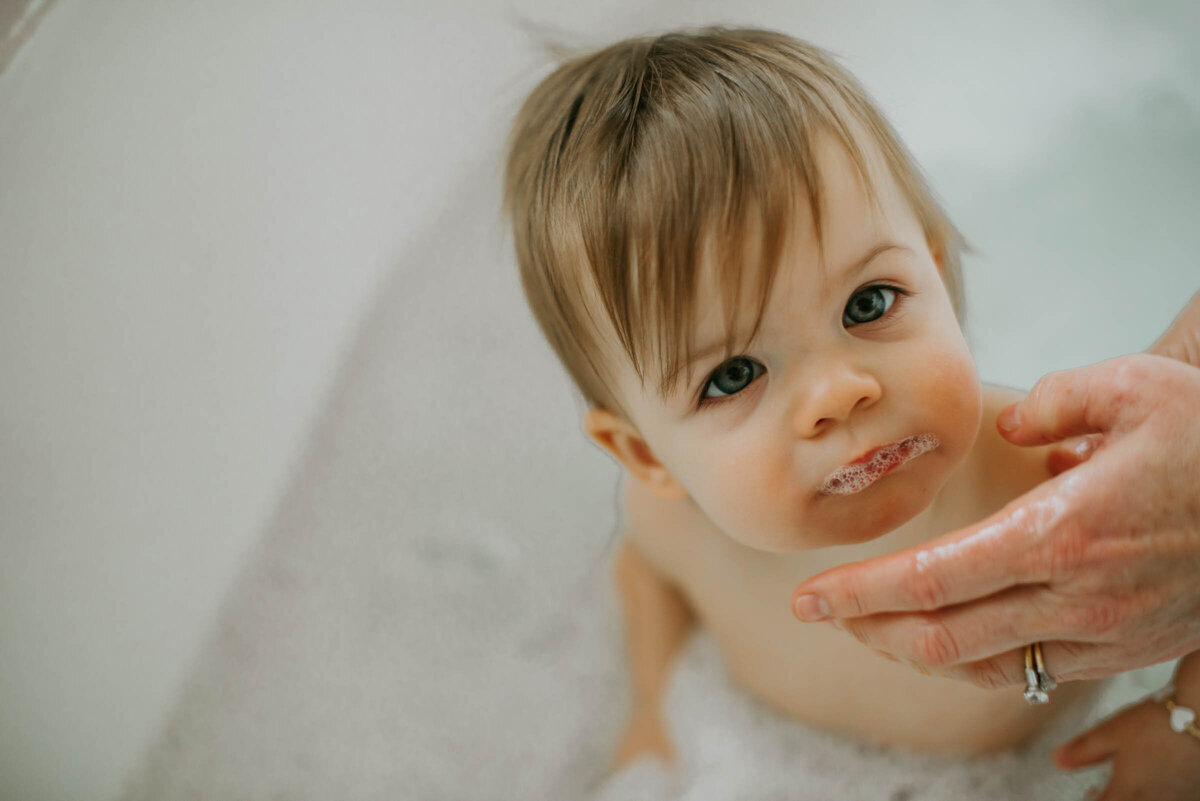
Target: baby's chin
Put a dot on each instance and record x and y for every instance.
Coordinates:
(872, 515)
(812, 539)
(857, 519)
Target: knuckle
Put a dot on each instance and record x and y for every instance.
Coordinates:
(988, 675)
(1042, 386)
(1066, 551)
(1128, 656)
(848, 596)
(1052, 392)
(1125, 373)
(935, 645)
(924, 588)
(1099, 617)
(1125, 383)
(885, 655)
(1070, 659)
(1034, 402)
(856, 630)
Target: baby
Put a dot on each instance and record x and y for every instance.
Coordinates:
(745, 275)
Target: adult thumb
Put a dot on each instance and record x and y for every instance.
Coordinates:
(1087, 400)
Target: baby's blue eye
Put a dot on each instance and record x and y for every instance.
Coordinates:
(868, 304)
(731, 378)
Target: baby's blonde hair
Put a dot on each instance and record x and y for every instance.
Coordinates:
(629, 164)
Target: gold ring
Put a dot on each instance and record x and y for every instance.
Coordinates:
(1038, 681)
(1043, 674)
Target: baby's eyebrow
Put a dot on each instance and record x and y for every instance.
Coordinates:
(667, 384)
(858, 266)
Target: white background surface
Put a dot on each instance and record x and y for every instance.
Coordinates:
(198, 200)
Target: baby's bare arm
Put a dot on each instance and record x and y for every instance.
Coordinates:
(1151, 758)
(657, 620)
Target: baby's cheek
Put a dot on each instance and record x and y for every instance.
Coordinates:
(749, 500)
(951, 394)
(747, 478)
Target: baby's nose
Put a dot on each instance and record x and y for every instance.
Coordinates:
(833, 398)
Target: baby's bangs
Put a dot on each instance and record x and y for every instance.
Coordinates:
(739, 245)
(655, 162)
(727, 203)
(709, 156)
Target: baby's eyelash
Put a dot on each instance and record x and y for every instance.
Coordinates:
(706, 403)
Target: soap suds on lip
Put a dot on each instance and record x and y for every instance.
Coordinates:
(853, 478)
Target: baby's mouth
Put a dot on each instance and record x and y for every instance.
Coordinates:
(852, 478)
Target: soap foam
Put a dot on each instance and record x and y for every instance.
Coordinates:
(854, 478)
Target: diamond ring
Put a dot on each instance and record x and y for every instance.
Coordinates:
(1038, 682)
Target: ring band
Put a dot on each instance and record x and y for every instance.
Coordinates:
(1038, 681)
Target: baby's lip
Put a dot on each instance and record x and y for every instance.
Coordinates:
(875, 463)
(866, 457)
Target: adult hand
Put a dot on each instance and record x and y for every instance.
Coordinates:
(1180, 342)
(1100, 563)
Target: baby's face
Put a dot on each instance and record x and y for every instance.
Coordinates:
(862, 355)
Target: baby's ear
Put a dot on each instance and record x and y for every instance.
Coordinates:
(625, 443)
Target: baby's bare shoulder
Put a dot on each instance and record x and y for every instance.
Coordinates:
(1010, 470)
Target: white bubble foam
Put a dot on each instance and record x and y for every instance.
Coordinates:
(854, 478)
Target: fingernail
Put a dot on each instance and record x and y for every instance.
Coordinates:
(810, 608)
(1009, 419)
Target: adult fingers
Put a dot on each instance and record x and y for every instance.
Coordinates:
(1063, 659)
(995, 625)
(1102, 397)
(1004, 550)
(1007, 669)
(1072, 452)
